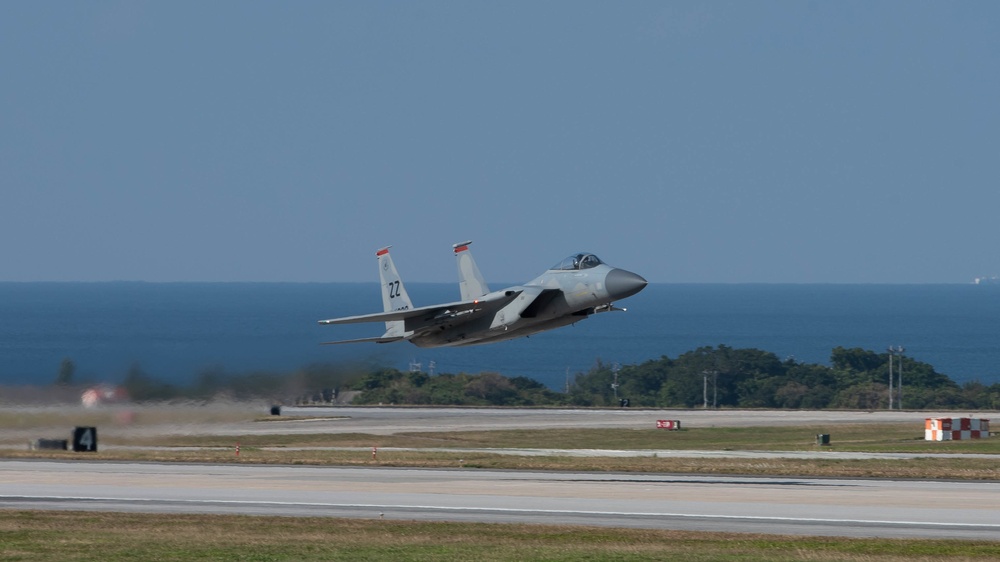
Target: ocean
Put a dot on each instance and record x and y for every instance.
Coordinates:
(175, 330)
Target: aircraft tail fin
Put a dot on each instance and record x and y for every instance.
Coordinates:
(470, 280)
(394, 296)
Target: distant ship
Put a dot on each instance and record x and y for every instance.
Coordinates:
(992, 280)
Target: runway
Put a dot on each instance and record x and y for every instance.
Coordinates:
(386, 421)
(808, 506)
(237, 418)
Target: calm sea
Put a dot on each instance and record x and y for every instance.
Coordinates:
(174, 330)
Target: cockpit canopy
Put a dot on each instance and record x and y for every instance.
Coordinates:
(578, 261)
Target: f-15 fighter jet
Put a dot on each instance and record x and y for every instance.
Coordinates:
(570, 291)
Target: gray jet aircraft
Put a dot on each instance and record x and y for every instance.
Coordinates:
(570, 291)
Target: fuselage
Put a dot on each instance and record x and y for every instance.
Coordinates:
(568, 292)
(558, 297)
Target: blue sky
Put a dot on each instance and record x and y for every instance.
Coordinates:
(687, 141)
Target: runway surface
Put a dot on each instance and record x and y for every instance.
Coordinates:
(236, 418)
(836, 507)
(840, 507)
(382, 421)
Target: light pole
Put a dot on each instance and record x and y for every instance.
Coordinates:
(890, 377)
(715, 388)
(704, 390)
(614, 385)
(899, 387)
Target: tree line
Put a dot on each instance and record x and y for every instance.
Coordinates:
(719, 376)
(312, 383)
(715, 376)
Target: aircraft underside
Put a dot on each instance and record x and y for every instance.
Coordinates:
(460, 337)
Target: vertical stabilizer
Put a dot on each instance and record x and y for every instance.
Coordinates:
(394, 295)
(470, 280)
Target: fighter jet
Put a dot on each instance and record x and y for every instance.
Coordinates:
(570, 291)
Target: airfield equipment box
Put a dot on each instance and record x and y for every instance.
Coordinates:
(49, 444)
(672, 425)
(954, 429)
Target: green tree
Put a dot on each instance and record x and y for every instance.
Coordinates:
(66, 370)
(593, 388)
(855, 360)
(642, 383)
(492, 388)
(818, 380)
(862, 396)
(142, 387)
(791, 395)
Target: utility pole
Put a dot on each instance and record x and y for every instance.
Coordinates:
(899, 387)
(890, 377)
(614, 385)
(715, 388)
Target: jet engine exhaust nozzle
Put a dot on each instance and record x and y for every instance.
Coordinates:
(621, 283)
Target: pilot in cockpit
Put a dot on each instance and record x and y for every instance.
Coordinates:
(578, 261)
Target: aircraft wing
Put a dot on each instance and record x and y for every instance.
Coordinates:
(363, 340)
(416, 319)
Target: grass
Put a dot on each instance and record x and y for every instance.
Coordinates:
(79, 536)
(855, 437)
(922, 468)
(848, 437)
(281, 449)
(184, 425)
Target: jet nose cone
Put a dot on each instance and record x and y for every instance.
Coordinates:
(621, 283)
